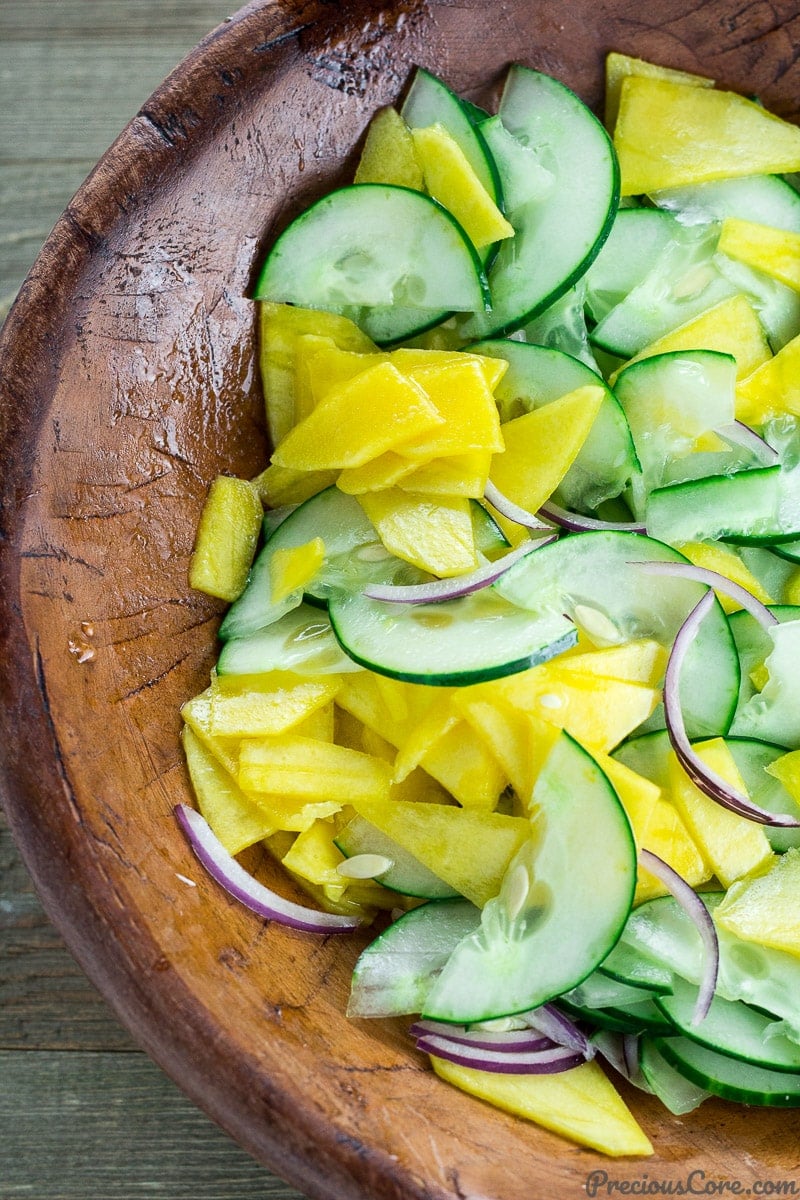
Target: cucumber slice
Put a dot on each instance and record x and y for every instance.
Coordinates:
(728, 1077)
(580, 872)
(752, 506)
(599, 990)
(558, 236)
(394, 973)
(590, 576)
(523, 177)
(626, 965)
(683, 283)
(766, 199)
(671, 400)
(301, 641)
(406, 874)
(343, 526)
(636, 1018)
(765, 979)
(674, 1091)
(447, 644)
(536, 376)
(773, 714)
(731, 1028)
(387, 257)
(637, 239)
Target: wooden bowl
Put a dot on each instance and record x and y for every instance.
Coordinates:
(129, 381)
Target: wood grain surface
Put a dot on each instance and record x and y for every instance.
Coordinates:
(128, 383)
(84, 1113)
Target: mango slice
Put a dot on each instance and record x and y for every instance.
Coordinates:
(307, 769)
(542, 445)
(433, 533)
(470, 850)
(731, 327)
(668, 134)
(280, 325)
(461, 396)
(376, 475)
(266, 705)
(620, 66)
(290, 569)
(389, 155)
(765, 908)
(451, 180)
(730, 844)
(772, 388)
(717, 558)
(451, 475)
(581, 1104)
(235, 819)
(277, 486)
(776, 252)
(376, 410)
(226, 539)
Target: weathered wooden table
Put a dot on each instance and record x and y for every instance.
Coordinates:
(84, 1115)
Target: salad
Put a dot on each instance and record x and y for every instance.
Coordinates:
(509, 667)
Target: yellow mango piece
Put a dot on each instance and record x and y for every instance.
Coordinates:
(668, 134)
(787, 770)
(280, 325)
(364, 696)
(452, 475)
(233, 817)
(714, 557)
(226, 539)
(389, 155)
(279, 845)
(314, 857)
(620, 66)
(580, 1104)
(642, 660)
(597, 712)
(376, 410)
(460, 393)
(376, 475)
(290, 569)
(465, 768)
(657, 826)
(731, 845)
(439, 719)
(517, 740)
(765, 907)
(772, 388)
(542, 445)
(277, 486)
(434, 533)
(196, 714)
(303, 767)
(776, 252)
(268, 704)
(412, 359)
(451, 180)
(321, 365)
(470, 850)
(294, 814)
(731, 327)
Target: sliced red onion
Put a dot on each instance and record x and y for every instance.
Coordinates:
(230, 875)
(553, 1023)
(511, 1040)
(743, 435)
(578, 523)
(699, 915)
(514, 512)
(701, 775)
(720, 583)
(451, 589)
(506, 1062)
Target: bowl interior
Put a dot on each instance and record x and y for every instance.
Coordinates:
(129, 380)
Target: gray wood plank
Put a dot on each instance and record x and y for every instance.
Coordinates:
(86, 1126)
(50, 20)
